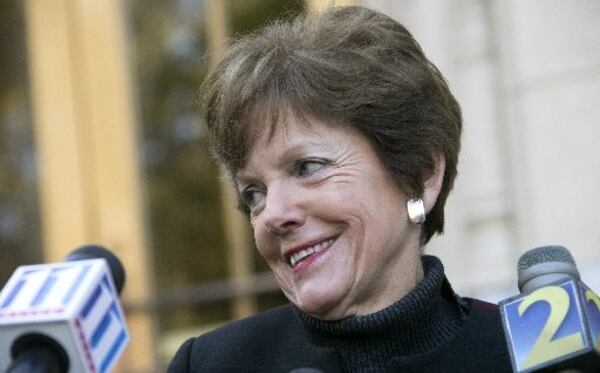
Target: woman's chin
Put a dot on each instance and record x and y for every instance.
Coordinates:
(322, 305)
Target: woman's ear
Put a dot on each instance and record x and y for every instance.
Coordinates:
(433, 184)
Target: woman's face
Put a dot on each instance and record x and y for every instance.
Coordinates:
(329, 220)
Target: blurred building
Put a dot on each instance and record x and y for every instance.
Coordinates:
(101, 142)
(527, 75)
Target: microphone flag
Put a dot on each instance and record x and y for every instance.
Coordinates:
(75, 303)
(555, 326)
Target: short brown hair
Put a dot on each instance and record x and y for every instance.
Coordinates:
(349, 66)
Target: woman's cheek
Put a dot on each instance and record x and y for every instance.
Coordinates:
(261, 242)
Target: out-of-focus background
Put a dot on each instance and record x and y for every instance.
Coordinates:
(101, 142)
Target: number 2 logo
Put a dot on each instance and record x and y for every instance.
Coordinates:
(545, 348)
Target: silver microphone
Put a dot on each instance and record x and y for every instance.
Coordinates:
(544, 265)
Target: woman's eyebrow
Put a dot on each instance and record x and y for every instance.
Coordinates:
(243, 180)
(300, 148)
(288, 155)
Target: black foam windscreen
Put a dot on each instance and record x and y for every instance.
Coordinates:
(96, 252)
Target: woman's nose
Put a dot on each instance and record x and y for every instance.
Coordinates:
(283, 211)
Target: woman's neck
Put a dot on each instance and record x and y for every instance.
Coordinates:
(428, 316)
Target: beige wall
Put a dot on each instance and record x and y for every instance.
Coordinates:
(527, 74)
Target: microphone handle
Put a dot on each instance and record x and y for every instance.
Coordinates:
(37, 359)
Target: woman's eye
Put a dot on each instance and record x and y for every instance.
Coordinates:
(252, 196)
(307, 167)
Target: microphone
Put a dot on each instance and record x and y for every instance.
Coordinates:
(554, 324)
(64, 317)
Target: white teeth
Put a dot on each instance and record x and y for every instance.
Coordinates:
(296, 257)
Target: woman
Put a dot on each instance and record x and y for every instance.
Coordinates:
(342, 140)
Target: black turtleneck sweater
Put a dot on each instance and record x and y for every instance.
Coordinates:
(430, 329)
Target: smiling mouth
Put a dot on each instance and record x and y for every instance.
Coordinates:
(303, 254)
